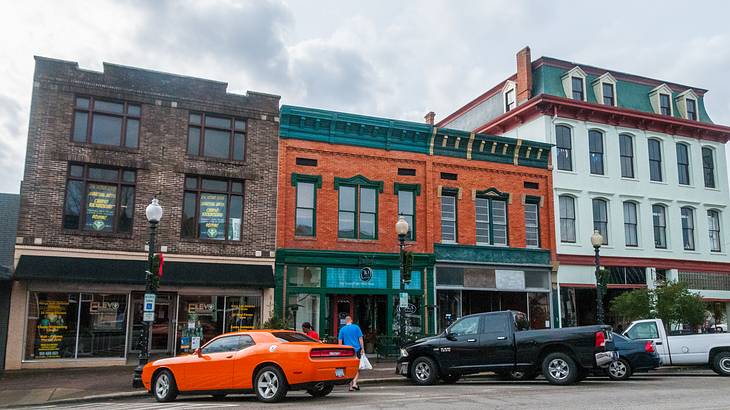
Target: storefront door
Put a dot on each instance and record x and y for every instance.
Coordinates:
(161, 330)
(344, 307)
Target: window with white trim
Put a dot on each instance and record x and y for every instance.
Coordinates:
(448, 216)
(600, 218)
(713, 226)
(631, 223)
(688, 228)
(567, 218)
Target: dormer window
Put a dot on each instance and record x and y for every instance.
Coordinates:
(687, 105)
(665, 105)
(574, 84)
(604, 87)
(661, 100)
(509, 95)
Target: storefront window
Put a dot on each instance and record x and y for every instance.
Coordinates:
(200, 318)
(102, 326)
(73, 325)
(304, 276)
(305, 308)
(415, 283)
(242, 313)
(449, 307)
(413, 315)
(539, 310)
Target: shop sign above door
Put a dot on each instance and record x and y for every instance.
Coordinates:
(366, 274)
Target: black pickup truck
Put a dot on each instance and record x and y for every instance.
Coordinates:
(501, 342)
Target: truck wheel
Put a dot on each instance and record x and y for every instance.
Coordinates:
(424, 371)
(619, 370)
(721, 363)
(559, 368)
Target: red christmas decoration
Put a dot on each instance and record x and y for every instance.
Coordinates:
(162, 262)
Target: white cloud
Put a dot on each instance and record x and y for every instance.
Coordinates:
(396, 59)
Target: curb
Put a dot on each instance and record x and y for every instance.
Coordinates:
(118, 395)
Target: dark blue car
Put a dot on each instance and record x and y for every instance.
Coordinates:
(634, 356)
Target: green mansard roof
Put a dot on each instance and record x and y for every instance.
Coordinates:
(395, 135)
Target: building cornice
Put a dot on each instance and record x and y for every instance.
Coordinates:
(546, 104)
(659, 263)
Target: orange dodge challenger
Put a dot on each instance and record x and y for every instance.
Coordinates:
(266, 362)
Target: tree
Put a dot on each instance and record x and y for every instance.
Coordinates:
(676, 305)
(633, 305)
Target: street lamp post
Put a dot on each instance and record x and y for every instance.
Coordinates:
(597, 241)
(154, 214)
(401, 228)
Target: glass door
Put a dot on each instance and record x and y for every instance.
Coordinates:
(343, 308)
(161, 330)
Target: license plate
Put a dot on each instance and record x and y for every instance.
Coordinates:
(339, 372)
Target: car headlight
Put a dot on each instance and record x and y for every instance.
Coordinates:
(403, 353)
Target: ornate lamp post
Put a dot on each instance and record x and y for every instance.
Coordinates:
(401, 228)
(154, 214)
(597, 241)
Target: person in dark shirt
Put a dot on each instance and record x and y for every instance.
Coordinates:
(307, 329)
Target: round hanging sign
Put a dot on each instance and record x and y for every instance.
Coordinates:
(366, 274)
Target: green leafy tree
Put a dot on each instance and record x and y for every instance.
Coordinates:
(633, 305)
(676, 305)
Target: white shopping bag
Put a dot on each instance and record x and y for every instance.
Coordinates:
(365, 363)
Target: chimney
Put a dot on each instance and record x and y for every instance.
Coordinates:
(524, 75)
(430, 118)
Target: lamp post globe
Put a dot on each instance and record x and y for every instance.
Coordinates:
(401, 227)
(596, 239)
(153, 211)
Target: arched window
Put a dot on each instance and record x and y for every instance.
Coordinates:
(688, 228)
(655, 160)
(600, 218)
(683, 163)
(708, 167)
(713, 225)
(567, 218)
(659, 215)
(631, 222)
(626, 149)
(564, 144)
(595, 149)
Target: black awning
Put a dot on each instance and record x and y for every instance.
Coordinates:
(92, 270)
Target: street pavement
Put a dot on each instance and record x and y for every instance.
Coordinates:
(702, 390)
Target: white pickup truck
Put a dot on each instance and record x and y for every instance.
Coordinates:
(711, 349)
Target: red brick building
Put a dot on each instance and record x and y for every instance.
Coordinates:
(343, 182)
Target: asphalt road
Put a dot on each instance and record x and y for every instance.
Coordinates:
(643, 391)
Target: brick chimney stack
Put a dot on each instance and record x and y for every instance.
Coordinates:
(430, 118)
(524, 75)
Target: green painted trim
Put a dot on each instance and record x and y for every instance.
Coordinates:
(346, 258)
(398, 186)
(360, 181)
(316, 179)
(492, 255)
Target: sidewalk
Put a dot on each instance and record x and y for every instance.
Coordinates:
(36, 387)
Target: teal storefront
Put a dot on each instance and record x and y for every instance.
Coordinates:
(322, 287)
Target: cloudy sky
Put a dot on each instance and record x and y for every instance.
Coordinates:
(388, 58)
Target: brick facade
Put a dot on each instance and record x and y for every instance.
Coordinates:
(161, 161)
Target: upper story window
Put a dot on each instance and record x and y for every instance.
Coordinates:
(509, 99)
(407, 207)
(683, 163)
(216, 136)
(595, 148)
(626, 151)
(358, 212)
(564, 144)
(212, 209)
(99, 199)
(305, 214)
(713, 226)
(491, 221)
(577, 88)
(105, 122)
(708, 167)
(608, 94)
(688, 228)
(532, 222)
(567, 219)
(655, 160)
(631, 222)
(665, 104)
(659, 216)
(600, 218)
(604, 87)
(448, 216)
(691, 109)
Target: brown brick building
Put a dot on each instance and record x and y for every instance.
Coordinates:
(479, 208)
(101, 145)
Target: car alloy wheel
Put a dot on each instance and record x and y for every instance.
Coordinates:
(617, 369)
(268, 384)
(558, 369)
(722, 364)
(162, 385)
(422, 371)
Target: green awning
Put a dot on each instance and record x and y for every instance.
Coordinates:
(92, 270)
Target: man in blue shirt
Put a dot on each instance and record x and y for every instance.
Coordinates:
(351, 335)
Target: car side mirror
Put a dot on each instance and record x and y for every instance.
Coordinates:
(198, 352)
(448, 335)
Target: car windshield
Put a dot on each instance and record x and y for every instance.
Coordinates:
(292, 337)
